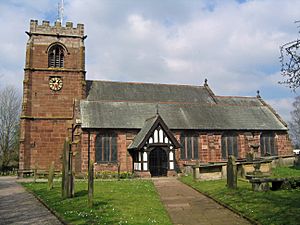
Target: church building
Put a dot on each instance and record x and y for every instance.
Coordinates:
(145, 128)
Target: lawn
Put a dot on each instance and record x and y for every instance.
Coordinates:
(286, 172)
(272, 207)
(116, 202)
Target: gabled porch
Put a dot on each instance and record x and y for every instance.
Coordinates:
(153, 149)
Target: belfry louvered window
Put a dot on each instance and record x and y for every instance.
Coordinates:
(56, 57)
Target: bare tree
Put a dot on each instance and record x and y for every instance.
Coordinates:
(290, 63)
(294, 124)
(10, 107)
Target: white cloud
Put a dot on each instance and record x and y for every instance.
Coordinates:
(234, 45)
(283, 106)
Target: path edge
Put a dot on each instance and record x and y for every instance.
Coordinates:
(53, 212)
(255, 222)
(156, 190)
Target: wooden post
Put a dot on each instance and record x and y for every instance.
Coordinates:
(51, 176)
(64, 182)
(91, 184)
(67, 172)
(119, 170)
(70, 176)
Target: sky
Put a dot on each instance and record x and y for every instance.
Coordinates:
(234, 44)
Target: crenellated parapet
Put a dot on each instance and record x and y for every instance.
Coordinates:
(57, 28)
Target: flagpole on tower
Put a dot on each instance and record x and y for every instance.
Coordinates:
(60, 11)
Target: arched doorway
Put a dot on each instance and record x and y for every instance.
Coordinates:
(158, 162)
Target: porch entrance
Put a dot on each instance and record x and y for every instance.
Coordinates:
(158, 162)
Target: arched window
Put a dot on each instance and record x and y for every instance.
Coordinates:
(56, 57)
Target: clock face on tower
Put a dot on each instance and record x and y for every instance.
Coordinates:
(55, 83)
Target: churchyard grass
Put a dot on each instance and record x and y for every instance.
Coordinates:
(272, 207)
(293, 171)
(115, 202)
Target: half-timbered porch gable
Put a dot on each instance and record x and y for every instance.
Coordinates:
(155, 133)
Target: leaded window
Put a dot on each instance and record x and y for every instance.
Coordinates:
(229, 145)
(56, 57)
(106, 148)
(267, 144)
(190, 146)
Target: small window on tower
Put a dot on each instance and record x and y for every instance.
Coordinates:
(56, 57)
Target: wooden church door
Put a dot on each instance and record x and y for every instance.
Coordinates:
(158, 162)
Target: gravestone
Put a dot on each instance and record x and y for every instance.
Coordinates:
(35, 172)
(231, 173)
(51, 176)
(196, 170)
(297, 160)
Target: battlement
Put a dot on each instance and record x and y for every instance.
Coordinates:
(57, 28)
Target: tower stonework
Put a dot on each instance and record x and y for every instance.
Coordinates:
(54, 77)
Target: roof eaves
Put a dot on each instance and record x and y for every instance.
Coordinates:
(273, 111)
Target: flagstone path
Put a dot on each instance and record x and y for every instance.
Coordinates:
(189, 207)
(20, 207)
(184, 205)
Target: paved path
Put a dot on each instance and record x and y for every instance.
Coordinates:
(19, 207)
(189, 207)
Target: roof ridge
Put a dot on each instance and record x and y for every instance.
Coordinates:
(173, 103)
(148, 83)
(232, 96)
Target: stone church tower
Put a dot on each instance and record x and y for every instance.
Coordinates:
(54, 77)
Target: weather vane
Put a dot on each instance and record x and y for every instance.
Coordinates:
(60, 11)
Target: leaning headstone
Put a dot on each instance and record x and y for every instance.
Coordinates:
(51, 176)
(231, 173)
(91, 184)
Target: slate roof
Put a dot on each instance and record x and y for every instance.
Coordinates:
(239, 101)
(146, 92)
(120, 105)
